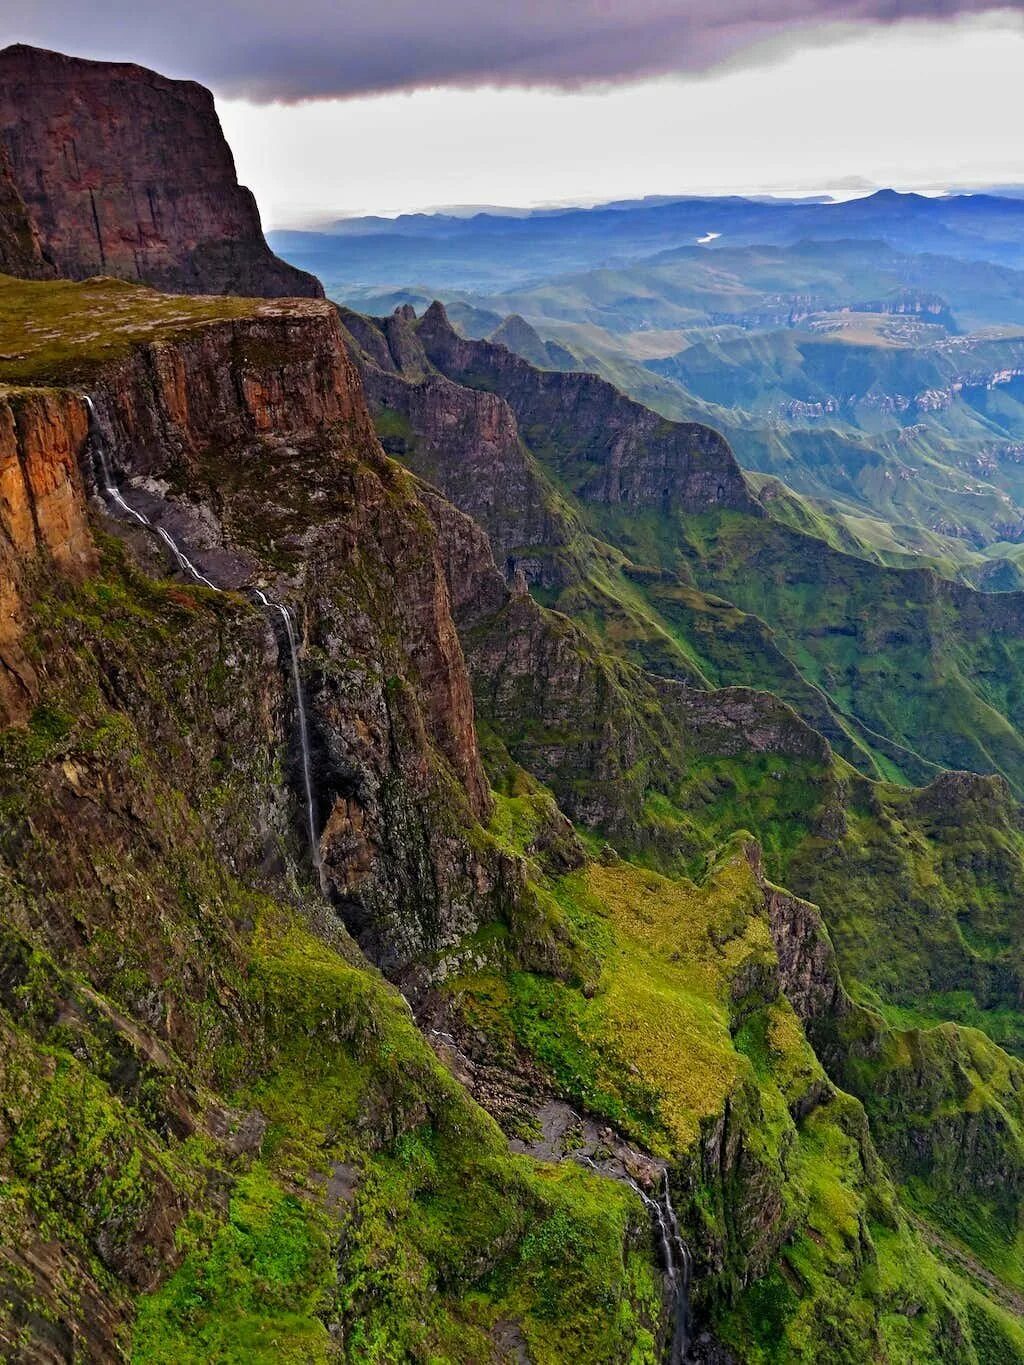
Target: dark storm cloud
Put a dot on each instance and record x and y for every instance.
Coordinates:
(307, 49)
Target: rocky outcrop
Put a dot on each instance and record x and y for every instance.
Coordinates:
(608, 448)
(463, 440)
(43, 520)
(124, 172)
(808, 970)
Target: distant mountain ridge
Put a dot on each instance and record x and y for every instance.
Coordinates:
(492, 252)
(875, 374)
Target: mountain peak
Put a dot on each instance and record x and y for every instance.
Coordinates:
(435, 321)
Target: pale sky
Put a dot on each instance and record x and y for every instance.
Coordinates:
(911, 106)
(357, 106)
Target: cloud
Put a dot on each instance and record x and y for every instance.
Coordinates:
(309, 49)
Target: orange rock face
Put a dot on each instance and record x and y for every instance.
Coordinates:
(124, 172)
(283, 371)
(42, 518)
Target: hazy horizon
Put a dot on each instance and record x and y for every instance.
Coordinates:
(946, 103)
(336, 113)
(833, 195)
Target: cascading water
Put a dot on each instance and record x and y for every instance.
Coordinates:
(300, 706)
(675, 1257)
(110, 489)
(105, 481)
(682, 1276)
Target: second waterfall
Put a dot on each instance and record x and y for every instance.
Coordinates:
(115, 498)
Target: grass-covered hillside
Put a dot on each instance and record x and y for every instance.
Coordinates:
(619, 692)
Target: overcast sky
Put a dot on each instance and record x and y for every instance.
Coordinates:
(385, 105)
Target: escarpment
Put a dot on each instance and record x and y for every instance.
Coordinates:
(124, 172)
(277, 373)
(247, 439)
(608, 448)
(292, 726)
(43, 521)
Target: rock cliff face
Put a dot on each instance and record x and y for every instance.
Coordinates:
(124, 172)
(609, 449)
(262, 420)
(466, 441)
(20, 252)
(42, 520)
(280, 371)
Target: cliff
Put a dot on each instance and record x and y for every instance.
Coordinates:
(42, 520)
(124, 172)
(466, 441)
(609, 449)
(261, 417)
(20, 252)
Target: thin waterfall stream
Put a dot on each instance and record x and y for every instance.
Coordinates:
(112, 493)
(300, 704)
(675, 1256)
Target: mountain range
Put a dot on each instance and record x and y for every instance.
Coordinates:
(866, 353)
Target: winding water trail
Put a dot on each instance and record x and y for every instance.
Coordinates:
(112, 493)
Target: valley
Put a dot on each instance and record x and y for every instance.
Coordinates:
(877, 375)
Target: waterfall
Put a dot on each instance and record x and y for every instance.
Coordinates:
(300, 706)
(105, 481)
(675, 1257)
(683, 1274)
(113, 494)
